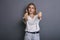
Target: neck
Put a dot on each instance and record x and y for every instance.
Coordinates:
(31, 15)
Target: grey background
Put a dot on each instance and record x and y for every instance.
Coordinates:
(11, 13)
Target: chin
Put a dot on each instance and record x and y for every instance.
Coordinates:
(31, 13)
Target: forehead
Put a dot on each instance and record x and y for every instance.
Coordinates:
(31, 5)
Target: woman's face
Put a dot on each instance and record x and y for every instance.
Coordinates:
(31, 9)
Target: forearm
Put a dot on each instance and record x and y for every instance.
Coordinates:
(25, 18)
(40, 15)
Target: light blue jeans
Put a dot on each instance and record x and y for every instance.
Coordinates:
(30, 36)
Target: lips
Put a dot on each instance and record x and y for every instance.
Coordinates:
(30, 12)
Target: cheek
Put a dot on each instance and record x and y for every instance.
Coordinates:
(31, 10)
(28, 9)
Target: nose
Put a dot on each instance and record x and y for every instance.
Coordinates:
(30, 9)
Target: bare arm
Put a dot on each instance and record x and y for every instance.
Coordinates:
(40, 15)
(25, 17)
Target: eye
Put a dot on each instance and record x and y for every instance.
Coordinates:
(32, 7)
(29, 7)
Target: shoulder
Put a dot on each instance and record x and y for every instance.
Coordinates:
(28, 17)
(36, 15)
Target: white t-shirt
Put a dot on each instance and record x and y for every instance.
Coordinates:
(32, 25)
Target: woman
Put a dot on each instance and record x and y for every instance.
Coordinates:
(31, 19)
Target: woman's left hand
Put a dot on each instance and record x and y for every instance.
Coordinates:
(40, 15)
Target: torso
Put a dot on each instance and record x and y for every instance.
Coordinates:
(32, 24)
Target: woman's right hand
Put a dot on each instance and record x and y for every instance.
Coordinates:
(25, 16)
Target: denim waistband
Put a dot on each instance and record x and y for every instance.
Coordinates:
(33, 32)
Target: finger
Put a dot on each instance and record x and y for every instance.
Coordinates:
(40, 13)
(26, 11)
